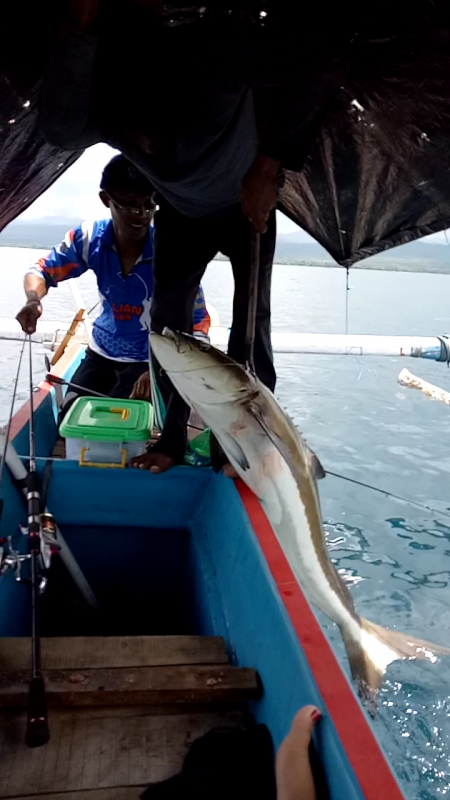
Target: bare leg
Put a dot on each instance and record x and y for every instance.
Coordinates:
(293, 769)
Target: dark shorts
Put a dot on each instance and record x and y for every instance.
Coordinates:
(100, 374)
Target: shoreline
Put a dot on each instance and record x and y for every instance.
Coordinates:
(396, 265)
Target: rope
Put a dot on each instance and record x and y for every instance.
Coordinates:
(253, 283)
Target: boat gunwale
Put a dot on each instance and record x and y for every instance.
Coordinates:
(370, 765)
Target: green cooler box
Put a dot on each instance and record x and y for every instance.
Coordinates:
(106, 432)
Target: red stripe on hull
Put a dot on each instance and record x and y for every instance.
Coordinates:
(363, 751)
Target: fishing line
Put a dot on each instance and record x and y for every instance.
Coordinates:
(88, 313)
(347, 289)
(252, 307)
(8, 427)
(386, 493)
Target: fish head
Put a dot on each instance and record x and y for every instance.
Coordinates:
(200, 372)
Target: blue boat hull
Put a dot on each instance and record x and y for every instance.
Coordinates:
(192, 552)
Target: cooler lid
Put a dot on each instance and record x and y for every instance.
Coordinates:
(108, 419)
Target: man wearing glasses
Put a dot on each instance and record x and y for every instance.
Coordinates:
(120, 253)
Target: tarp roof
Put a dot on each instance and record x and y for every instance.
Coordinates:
(377, 174)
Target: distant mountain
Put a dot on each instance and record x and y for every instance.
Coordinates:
(39, 233)
(292, 248)
(420, 256)
(53, 219)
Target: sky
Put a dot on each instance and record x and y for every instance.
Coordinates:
(75, 195)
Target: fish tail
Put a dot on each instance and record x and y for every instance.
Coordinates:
(376, 649)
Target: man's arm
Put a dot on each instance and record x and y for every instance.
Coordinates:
(66, 92)
(259, 193)
(63, 262)
(35, 289)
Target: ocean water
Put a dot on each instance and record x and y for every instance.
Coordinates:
(361, 423)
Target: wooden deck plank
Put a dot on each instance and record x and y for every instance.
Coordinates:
(104, 761)
(134, 686)
(91, 652)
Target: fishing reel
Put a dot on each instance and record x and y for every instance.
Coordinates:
(12, 560)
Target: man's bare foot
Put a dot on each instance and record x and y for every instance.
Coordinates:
(230, 471)
(294, 775)
(153, 462)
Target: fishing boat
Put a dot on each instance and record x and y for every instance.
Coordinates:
(169, 611)
(170, 608)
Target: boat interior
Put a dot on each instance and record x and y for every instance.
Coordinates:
(197, 627)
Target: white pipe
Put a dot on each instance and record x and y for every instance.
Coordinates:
(345, 344)
(333, 344)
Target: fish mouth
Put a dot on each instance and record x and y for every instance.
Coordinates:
(185, 342)
(169, 334)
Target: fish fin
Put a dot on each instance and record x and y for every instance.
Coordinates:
(379, 647)
(234, 451)
(274, 438)
(315, 464)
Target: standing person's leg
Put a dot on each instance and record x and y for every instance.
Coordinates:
(235, 243)
(183, 248)
(126, 376)
(238, 237)
(95, 372)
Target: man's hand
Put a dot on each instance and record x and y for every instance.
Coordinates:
(29, 315)
(259, 193)
(141, 389)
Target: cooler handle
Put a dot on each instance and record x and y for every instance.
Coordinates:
(124, 411)
(84, 463)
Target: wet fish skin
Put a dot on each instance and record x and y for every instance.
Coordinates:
(272, 458)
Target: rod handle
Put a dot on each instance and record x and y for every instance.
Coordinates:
(38, 732)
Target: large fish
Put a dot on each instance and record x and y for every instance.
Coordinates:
(271, 457)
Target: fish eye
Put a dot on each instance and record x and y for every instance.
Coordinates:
(204, 347)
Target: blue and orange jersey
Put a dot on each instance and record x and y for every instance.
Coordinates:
(121, 330)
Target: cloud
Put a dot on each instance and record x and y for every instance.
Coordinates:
(75, 194)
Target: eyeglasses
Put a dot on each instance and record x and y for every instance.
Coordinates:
(145, 208)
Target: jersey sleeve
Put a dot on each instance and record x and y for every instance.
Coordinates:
(202, 320)
(64, 261)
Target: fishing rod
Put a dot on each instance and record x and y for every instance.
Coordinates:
(8, 427)
(37, 732)
(61, 382)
